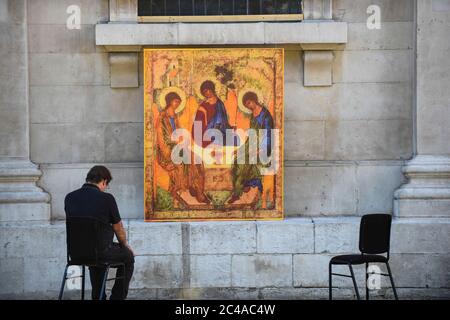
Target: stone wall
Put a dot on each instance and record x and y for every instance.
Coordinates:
(345, 146)
(233, 260)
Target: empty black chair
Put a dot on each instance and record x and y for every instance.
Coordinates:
(83, 250)
(374, 240)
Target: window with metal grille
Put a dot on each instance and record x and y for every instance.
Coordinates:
(210, 10)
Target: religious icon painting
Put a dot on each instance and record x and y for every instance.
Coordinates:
(213, 134)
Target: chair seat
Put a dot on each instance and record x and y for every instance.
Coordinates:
(99, 264)
(357, 259)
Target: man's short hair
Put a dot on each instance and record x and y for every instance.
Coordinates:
(98, 174)
(250, 96)
(208, 84)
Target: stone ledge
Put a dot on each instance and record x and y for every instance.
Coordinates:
(240, 250)
(290, 236)
(282, 293)
(321, 35)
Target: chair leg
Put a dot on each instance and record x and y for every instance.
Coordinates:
(354, 282)
(61, 291)
(330, 283)
(123, 279)
(103, 289)
(367, 281)
(83, 277)
(392, 280)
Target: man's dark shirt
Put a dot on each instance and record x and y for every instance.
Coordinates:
(89, 201)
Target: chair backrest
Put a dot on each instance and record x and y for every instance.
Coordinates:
(82, 240)
(375, 233)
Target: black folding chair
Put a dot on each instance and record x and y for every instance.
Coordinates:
(374, 240)
(82, 250)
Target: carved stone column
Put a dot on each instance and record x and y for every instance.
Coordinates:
(20, 198)
(427, 193)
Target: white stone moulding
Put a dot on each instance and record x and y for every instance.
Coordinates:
(20, 198)
(317, 32)
(317, 39)
(427, 193)
(310, 35)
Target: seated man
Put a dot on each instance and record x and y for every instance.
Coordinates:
(91, 200)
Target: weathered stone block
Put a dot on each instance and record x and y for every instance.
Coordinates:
(54, 12)
(261, 270)
(392, 35)
(370, 101)
(293, 235)
(320, 190)
(420, 235)
(312, 103)
(124, 142)
(117, 105)
(155, 238)
(12, 276)
(124, 69)
(421, 270)
(67, 143)
(11, 241)
(66, 104)
(305, 294)
(372, 66)
(69, 69)
(336, 235)
(157, 272)
(304, 140)
(220, 33)
(311, 32)
(90, 104)
(14, 141)
(222, 237)
(45, 241)
(220, 293)
(368, 139)
(57, 38)
(11, 37)
(32, 211)
(351, 11)
(293, 67)
(210, 271)
(43, 275)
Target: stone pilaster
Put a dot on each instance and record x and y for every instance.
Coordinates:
(20, 198)
(427, 192)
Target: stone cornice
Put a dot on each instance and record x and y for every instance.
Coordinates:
(309, 35)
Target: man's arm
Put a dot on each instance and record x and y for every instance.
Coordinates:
(121, 235)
